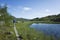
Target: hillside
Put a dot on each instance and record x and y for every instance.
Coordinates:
(54, 18)
(22, 19)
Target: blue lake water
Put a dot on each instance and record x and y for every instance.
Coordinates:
(48, 29)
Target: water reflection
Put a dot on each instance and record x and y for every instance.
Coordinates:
(48, 29)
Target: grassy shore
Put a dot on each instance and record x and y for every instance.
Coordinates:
(24, 30)
(46, 22)
(30, 34)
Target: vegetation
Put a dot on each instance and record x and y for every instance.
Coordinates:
(5, 16)
(48, 19)
(6, 27)
(7, 31)
(22, 19)
(31, 34)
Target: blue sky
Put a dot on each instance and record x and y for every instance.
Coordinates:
(32, 8)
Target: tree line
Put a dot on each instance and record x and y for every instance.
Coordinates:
(54, 18)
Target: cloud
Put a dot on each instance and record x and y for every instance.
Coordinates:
(27, 8)
(47, 10)
(19, 9)
(9, 6)
(2, 4)
(14, 8)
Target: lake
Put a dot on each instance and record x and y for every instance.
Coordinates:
(48, 29)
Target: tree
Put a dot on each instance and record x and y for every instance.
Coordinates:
(5, 16)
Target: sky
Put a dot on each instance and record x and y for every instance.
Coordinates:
(32, 8)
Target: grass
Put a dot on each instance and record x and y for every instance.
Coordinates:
(4, 33)
(46, 22)
(30, 34)
(24, 30)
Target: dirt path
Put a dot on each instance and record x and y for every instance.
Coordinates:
(16, 32)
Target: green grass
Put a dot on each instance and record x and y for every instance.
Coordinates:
(3, 33)
(46, 22)
(24, 30)
(29, 33)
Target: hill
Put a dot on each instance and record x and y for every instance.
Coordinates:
(54, 18)
(22, 19)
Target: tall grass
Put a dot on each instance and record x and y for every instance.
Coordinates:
(25, 31)
(7, 33)
(30, 34)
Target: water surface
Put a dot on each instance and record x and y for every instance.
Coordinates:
(49, 29)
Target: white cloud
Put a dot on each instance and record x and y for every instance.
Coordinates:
(2, 4)
(20, 9)
(9, 6)
(15, 8)
(47, 10)
(27, 8)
